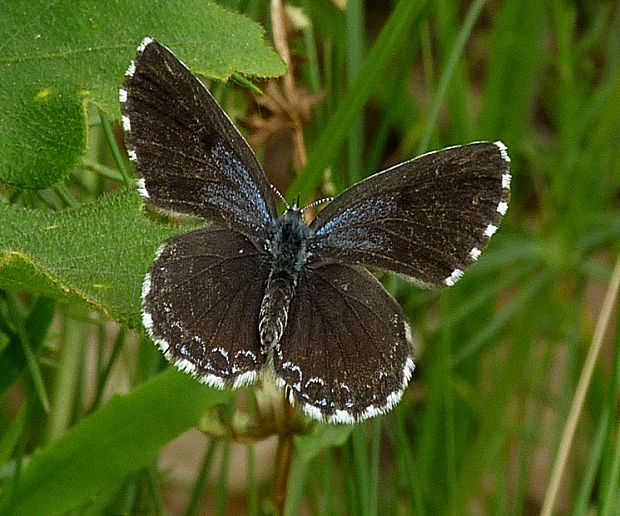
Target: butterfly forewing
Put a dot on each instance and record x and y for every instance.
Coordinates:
(345, 354)
(191, 158)
(428, 218)
(200, 305)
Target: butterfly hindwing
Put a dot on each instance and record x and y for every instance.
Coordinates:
(428, 218)
(345, 354)
(191, 158)
(200, 305)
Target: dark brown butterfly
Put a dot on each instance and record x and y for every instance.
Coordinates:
(254, 292)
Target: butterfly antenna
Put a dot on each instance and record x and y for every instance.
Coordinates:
(277, 192)
(317, 202)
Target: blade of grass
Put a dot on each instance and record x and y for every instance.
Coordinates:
(373, 465)
(327, 483)
(582, 502)
(116, 151)
(103, 377)
(527, 421)
(609, 475)
(446, 382)
(488, 331)
(352, 504)
(580, 393)
(36, 326)
(515, 49)
(65, 381)
(609, 485)
(252, 495)
(297, 484)
(106, 172)
(152, 477)
(458, 314)
(222, 484)
(398, 109)
(360, 468)
(29, 333)
(10, 436)
(448, 72)
(604, 429)
(201, 479)
(34, 370)
(15, 484)
(393, 35)
(67, 197)
(491, 429)
(354, 50)
(406, 456)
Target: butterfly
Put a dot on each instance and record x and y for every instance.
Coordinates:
(253, 292)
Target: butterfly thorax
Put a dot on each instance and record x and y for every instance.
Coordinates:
(287, 248)
(288, 244)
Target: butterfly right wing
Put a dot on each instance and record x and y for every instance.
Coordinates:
(428, 218)
(201, 303)
(191, 158)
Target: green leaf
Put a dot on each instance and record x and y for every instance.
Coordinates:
(98, 252)
(103, 449)
(57, 56)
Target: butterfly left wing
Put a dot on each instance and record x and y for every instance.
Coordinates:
(191, 158)
(428, 218)
(345, 354)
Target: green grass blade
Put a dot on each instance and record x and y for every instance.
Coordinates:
(487, 332)
(611, 483)
(354, 49)
(323, 152)
(222, 484)
(448, 72)
(201, 479)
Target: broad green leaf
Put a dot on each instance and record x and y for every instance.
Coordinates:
(104, 448)
(56, 56)
(97, 252)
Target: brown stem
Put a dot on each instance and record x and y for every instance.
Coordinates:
(284, 456)
(278, 24)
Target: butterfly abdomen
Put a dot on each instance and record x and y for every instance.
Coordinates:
(274, 310)
(288, 253)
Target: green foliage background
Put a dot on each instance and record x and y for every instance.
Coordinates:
(500, 354)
